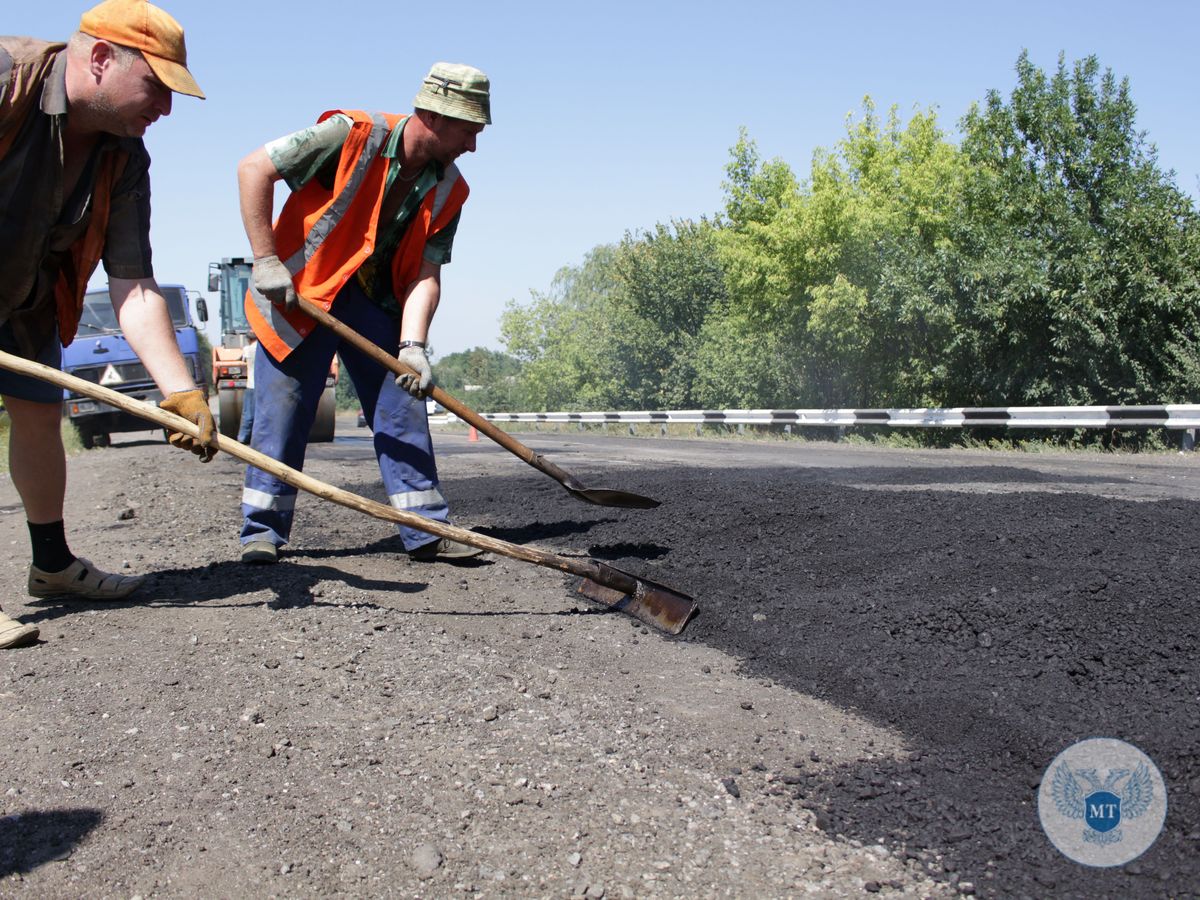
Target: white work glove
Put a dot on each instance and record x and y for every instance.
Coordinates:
(416, 382)
(274, 281)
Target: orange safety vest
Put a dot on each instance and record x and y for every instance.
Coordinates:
(85, 254)
(323, 235)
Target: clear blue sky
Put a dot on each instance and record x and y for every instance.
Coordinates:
(610, 117)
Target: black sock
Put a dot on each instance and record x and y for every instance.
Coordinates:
(50, 550)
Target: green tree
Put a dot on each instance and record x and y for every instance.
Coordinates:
(670, 280)
(621, 330)
(563, 339)
(822, 295)
(1046, 260)
(744, 352)
(1076, 263)
(486, 380)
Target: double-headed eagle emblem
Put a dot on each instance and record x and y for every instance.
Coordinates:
(1099, 803)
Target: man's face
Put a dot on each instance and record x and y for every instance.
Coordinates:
(453, 138)
(131, 97)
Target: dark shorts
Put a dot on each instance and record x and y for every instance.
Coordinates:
(22, 386)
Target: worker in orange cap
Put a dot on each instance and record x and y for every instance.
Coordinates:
(75, 191)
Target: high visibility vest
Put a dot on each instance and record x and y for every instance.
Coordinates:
(24, 82)
(86, 252)
(323, 235)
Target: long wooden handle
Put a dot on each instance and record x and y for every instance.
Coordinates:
(456, 406)
(586, 568)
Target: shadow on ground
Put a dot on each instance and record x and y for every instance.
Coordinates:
(32, 839)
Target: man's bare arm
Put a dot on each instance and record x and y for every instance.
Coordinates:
(421, 302)
(256, 193)
(142, 311)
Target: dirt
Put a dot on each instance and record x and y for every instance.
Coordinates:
(891, 649)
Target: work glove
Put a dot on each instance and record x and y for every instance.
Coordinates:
(192, 406)
(274, 281)
(416, 384)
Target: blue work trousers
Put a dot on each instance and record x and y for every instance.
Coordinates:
(246, 427)
(286, 397)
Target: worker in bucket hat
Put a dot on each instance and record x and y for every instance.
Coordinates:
(375, 204)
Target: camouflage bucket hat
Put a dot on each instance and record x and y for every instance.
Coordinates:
(458, 91)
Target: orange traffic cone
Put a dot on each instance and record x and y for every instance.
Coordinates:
(473, 435)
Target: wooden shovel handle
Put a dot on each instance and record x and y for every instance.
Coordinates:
(651, 603)
(586, 568)
(456, 406)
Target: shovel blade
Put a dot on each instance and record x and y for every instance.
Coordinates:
(606, 497)
(653, 604)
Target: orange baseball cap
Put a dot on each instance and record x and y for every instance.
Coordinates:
(142, 26)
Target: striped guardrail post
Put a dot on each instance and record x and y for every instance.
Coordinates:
(1183, 417)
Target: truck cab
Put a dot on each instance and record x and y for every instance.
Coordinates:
(101, 354)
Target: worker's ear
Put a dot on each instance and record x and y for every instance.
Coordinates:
(102, 56)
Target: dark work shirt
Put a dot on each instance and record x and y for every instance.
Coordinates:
(38, 224)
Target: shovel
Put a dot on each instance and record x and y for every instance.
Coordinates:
(598, 496)
(654, 604)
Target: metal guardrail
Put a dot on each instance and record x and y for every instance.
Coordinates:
(1174, 416)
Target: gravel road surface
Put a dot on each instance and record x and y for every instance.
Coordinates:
(892, 647)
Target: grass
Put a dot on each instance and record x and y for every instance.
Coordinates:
(1151, 440)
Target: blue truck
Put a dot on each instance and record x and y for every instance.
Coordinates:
(100, 354)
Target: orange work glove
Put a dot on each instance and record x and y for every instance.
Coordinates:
(192, 406)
